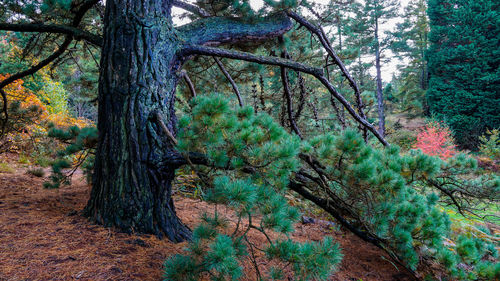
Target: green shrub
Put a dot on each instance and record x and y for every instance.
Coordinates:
(490, 144)
(403, 138)
(23, 159)
(43, 161)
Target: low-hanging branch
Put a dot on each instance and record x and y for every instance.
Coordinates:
(188, 50)
(76, 33)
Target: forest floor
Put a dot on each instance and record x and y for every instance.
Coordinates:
(44, 237)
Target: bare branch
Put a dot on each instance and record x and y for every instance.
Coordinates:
(191, 8)
(288, 95)
(76, 33)
(219, 30)
(189, 83)
(165, 130)
(188, 50)
(228, 76)
(318, 31)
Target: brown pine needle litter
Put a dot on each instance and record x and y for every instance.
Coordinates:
(44, 237)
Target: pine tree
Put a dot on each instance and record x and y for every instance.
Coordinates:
(377, 12)
(410, 43)
(463, 66)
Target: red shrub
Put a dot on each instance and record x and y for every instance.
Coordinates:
(436, 140)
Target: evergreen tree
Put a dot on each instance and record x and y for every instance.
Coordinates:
(410, 43)
(377, 12)
(463, 58)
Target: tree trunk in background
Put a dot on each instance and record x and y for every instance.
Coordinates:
(132, 185)
(380, 97)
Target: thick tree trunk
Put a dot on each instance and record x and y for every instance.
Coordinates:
(380, 97)
(132, 184)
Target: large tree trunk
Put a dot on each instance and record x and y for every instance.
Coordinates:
(131, 184)
(380, 97)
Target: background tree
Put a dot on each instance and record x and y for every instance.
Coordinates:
(410, 43)
(376, 12)
(463, 67)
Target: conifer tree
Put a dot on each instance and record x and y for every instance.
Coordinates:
(376, 13)
(463, 62)
(410, 43)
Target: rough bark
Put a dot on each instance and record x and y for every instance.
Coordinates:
(135, 160)
(132, 184)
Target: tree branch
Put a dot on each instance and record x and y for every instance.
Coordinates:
(83, 8)
(327, 206)
(228, 76)
(191, 8)
(288, 95)
(318, 31)
(188, 50)
(219, 30)
(189, 83)
(76, 33)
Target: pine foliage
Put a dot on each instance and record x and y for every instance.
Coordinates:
(77, 153)
(389, 195)
(252, 159)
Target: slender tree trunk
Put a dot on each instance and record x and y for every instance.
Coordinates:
(380, 97)
(340, 111)
(132, 184)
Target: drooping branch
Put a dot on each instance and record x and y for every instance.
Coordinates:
(189, 83)
(288, 96)
(228, 76)
(327, 206)
(302, 98)
(319, 32)
(191, 8)
(76, 33)
(188, 50)
(219, 30)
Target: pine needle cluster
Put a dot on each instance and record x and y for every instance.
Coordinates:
(252, 159)
(78, 153)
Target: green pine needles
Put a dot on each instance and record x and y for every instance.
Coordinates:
(394, 198)
(252, 159)
(78, 153)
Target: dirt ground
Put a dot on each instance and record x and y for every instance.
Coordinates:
(44, 237)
